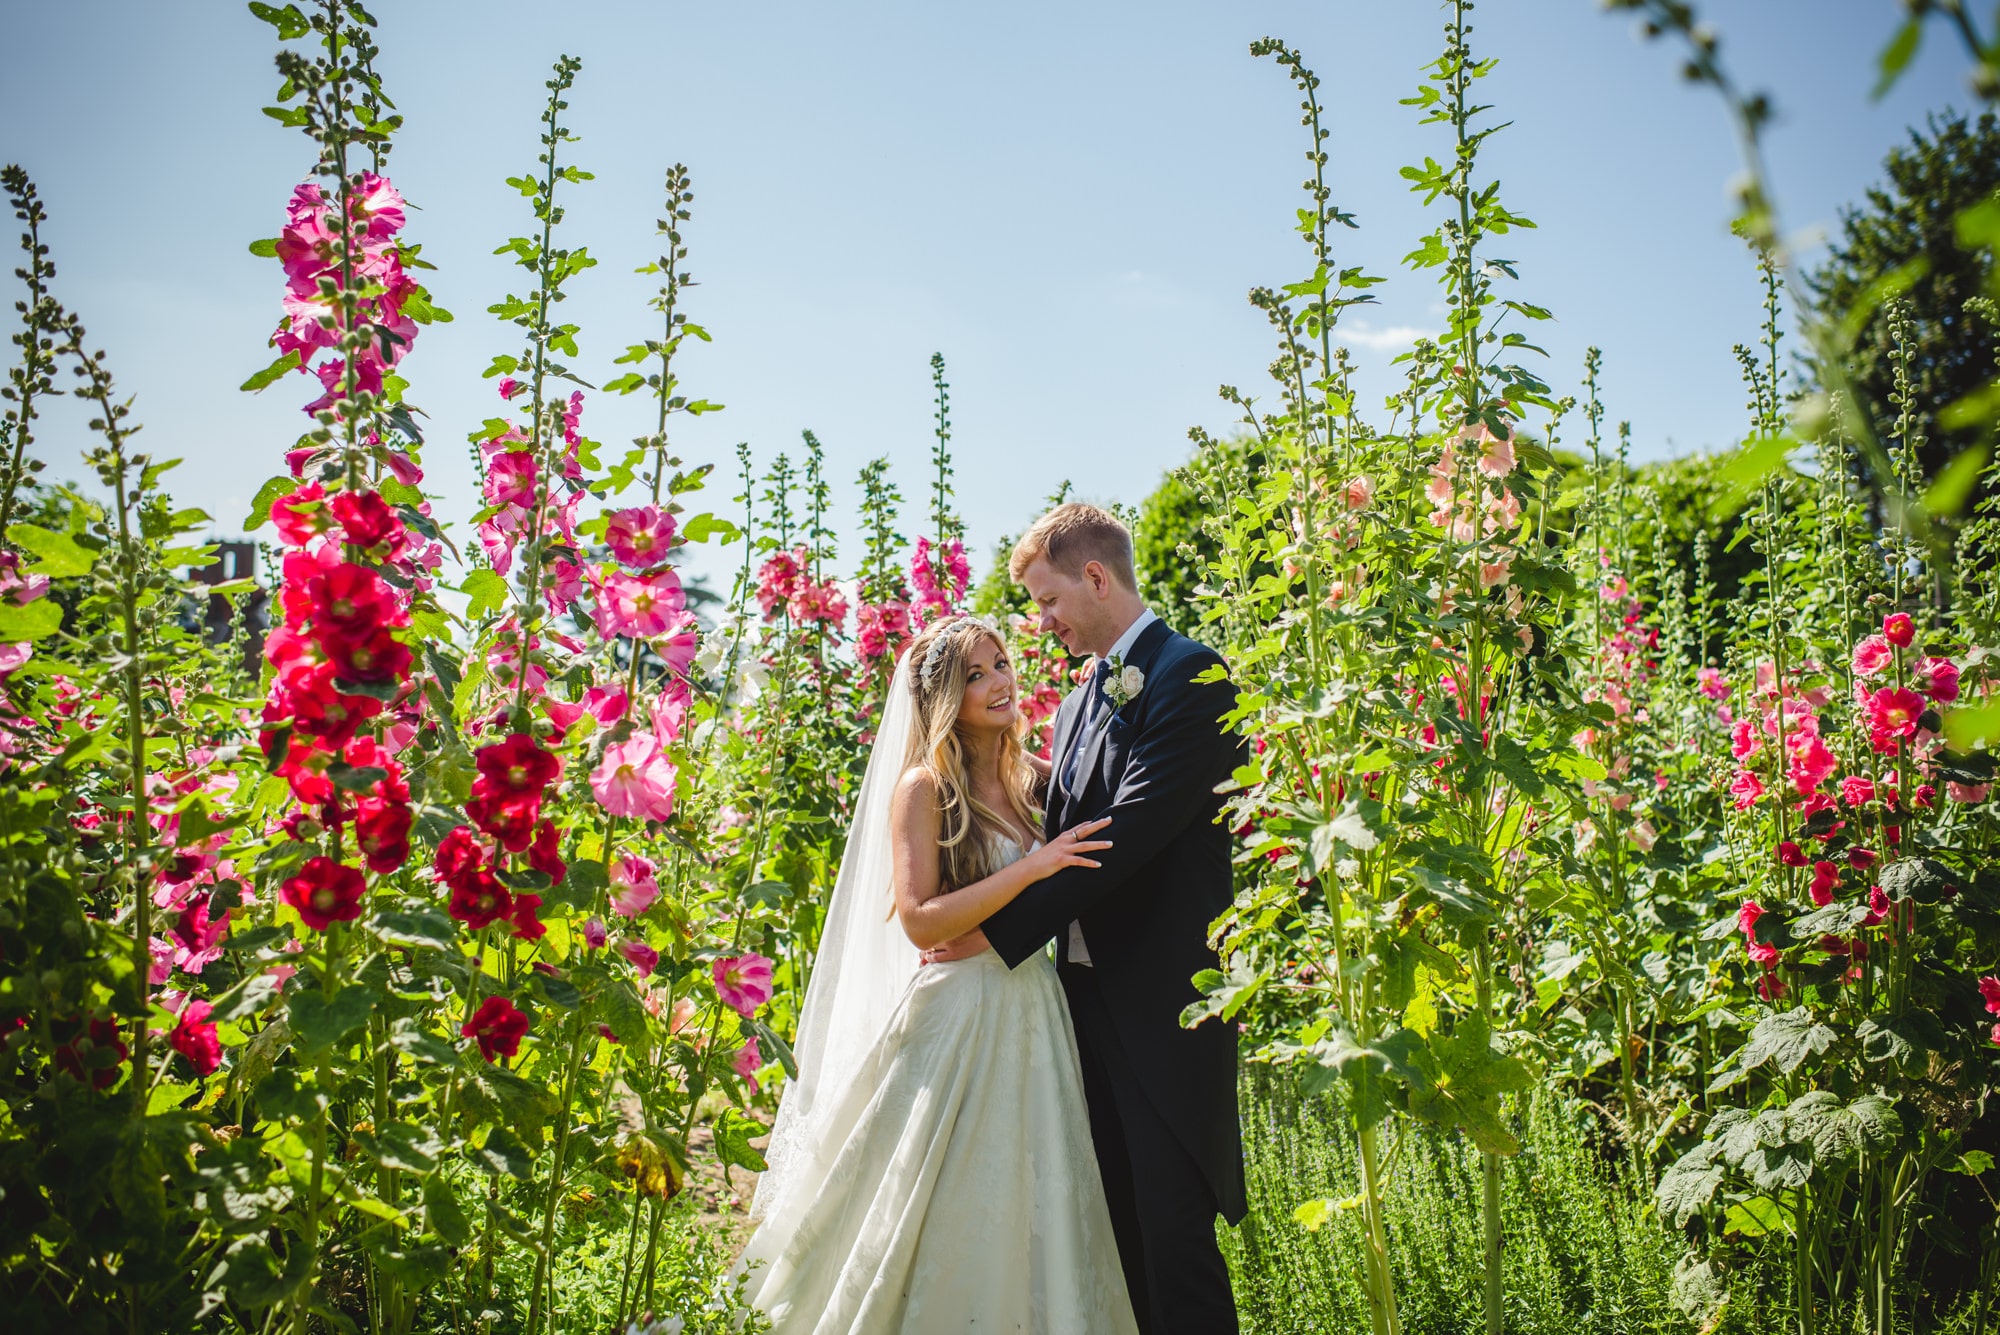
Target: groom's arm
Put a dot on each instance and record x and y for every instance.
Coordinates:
(1169, 782)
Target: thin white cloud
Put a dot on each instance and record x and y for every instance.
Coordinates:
(1393, 339)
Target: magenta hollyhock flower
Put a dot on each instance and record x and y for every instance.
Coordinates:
(1746, 789)
(1857, 790)
(593, 933)
(1872, 655)
(1878, 907)
(778, 578)
(1989, 992)
(197, 939)
(1791, 855)
(639, 537)
(194, 1037)
(1938, 678)
(1744, 740)
(1898, 629)
(1811, 764)
(636, 779)
(633, 887)
(1826, 878)
(642, 956)
(747, 1061)
(1711, 683)
(743, 982)
(378, 204)
(510, 479)
(640, 606)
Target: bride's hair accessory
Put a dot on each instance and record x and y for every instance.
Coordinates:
(935, 654)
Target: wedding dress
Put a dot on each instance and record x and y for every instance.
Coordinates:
(933, 1173)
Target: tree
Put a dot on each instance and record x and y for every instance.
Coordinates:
(1951, 166)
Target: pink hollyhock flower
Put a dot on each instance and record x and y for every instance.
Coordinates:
(778, 579)
(1968, 793)
(197, 939)
(1871, 656)
(378, 204)
(1898, 629)
(1857, 790)
(643, 957)
(1746, 789)
(1938, 678)
(636, 779)
(743, 982)
(747, 1062)
(1744, 741)
(593, 933)
(194, 1037)
(822, 603)
(1711, 683)
(511, 479)
(1645, 836)
(633, 887)
(1811, 764)
(1989, 992)
(1892, 714)
(1360, 492)
(13, 656)
(639, 537)
(1791, 855)
(1770, 987)
(509, 387)
(1826, 877)
(669, 713)
(1923, 797)
(302, 515)
(640, 606)
(162, 967)
(1496, 573)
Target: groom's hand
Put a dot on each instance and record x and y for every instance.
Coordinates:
(958, 948)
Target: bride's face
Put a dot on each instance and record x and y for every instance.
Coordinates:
(989, 703)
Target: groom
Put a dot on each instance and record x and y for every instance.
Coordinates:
(1142, 743)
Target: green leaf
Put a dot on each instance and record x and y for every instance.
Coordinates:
(260, 507)
(1972, 727)
(59, 555)
(446, 1215)
(320, 1023)
(1745, 471)
(488, 593)
(271, 374)
(1972, 1163)
(1895, 57)
(1755, 1217)
(289, 22)
(402, 1145)
(415, 924)
(1687, 1188)
(247, 998)
(265, 249)
(504, 1153)
(1787, 1039)
(36, 621)
(732, 1131)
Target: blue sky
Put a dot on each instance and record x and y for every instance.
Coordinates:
(1069, 200)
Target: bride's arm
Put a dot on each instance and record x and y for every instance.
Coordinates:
(930, 917)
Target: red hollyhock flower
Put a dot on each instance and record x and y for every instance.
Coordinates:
(324, 712)
(517, 765)
(350, 602)
(1791, 855)
(1898, 629)
(367, 521)
(459, 855)
(544, 855)
(1856, 790)
(499, 1026)
(75, 1056)
(377, 656)
(324, 892)
(382, 832)
(1861, 859)
(1826, 877)
(508, 818)
(479, 900)
(194, 1037)
(302, 515)
(526, 925)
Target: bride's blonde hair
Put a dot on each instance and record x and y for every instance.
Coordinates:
(938, 660)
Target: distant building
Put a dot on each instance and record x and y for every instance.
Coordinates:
(234, 561)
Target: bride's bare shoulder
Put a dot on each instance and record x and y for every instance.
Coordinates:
(916, 796)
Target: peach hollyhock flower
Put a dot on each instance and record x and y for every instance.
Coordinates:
(1645, 836)
(636, 779)
(743, 982)
(1496, 455)
(1871, 656)
(633, 887)
(1495, 573)
(1360, 492)
(1967, 793)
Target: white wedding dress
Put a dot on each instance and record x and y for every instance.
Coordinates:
(949, 1183)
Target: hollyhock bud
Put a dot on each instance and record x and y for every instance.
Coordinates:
(194, 1037)
(743, 982)
(593, 934)
(1826, 877)
(498, 1025)
(1871, 656)
(1898, 629)
(324, 892)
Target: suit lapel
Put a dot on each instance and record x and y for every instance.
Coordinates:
(1145, 650)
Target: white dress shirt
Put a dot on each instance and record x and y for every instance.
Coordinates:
(1078, 952)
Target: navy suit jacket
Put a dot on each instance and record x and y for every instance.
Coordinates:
(1152, 766)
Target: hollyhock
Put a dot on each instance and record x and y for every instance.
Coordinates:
(376, 657)
(324, 892)
(633, 886)
(511, 479)
(640, 606)
(747, 1062)
(639, 537)
(194, 1037)
(1492, 574)
(1878, 907)
(1857, 790)
(382, 834)
(593, 933)
(1744, 740)
(1989, 993)
(817, 603)
(1811, 764)
(778, 578)
(479, 900)
(510, 818)
(517, 766)
(1791, 855)
(378, 205)
(527, 925)
(1496, 454)
(197, 938)
(879, 627)
(498, 1025)
(636, 779)
(302, 515)
(1968, 793)
(743, 982)
(1360, 492)
(509, 387)
(1861, 859)
(545, 853)
(1712, 684)
(1644, 835)
(368, 368)
(78, 1056)
(1872, 655)
(350, 601)
(1938, 678)
(1898, 629)
(1892, 714)
(367, 521)
(1826, 878)
(1761, 952)
(642, 956)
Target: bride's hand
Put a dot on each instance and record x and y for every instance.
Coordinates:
(1071, 848)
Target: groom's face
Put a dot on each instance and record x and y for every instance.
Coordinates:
(1070, 606)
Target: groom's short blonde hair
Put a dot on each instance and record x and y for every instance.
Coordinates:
(1070, 536)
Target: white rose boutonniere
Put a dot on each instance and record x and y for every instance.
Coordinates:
(1123, 684)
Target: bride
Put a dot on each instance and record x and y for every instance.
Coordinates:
(931, 1167)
